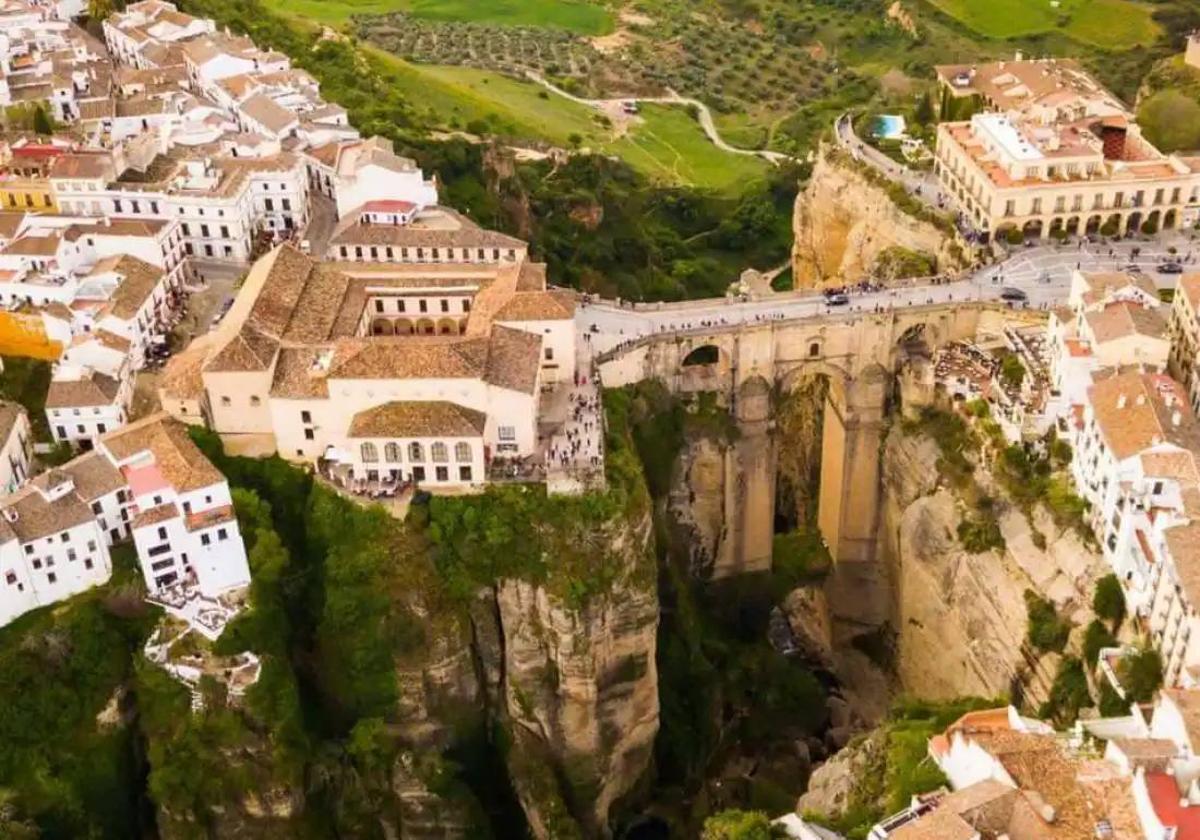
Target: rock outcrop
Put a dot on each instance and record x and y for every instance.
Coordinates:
(577, 686)
(960, 618)
(842, 223)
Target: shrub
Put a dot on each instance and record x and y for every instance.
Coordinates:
(1150, 227)
(1108, 601)
(1048, 632)
(1068, 694)
(1112, 704)
(1110, 228)
(1012, 372)
(737, 825)
(1140, 674)
(980, 534)
(1014, 236)
(1096, 638)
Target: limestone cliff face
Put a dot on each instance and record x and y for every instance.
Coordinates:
(842, 223)
(698, 504)
(577, 685)
(960, 618)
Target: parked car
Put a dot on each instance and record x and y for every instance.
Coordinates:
(1170, 268)
(1010, 293)
(837, 300)
(1132, 268)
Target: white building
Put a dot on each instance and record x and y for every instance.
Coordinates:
(15, 446)
(82, 404)
(185, 528)
(381, 373)
(357, 172)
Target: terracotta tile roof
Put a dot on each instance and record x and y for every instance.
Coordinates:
(34, 246)
(94, 476)
(538, 306)
(418, 419)
(436, 227)
(410, 357)
(263, 110)
(83, 165)
(1141, 749)
(37, 518)
(295, 376)
(514, 358)
(249, 350)
(1119, 320)
(321, 303)
(1189, 285)
(942, 824)
(139, 279)
(532, 277)
(156, 515)
(92, 389)
(178, 459)
(182, 377)
(1132, 413)
(1101, 283)
(209, 518)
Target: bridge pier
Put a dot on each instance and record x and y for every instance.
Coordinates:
(848, 513)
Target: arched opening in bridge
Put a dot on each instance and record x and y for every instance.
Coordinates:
(706, 354)
(914, 341)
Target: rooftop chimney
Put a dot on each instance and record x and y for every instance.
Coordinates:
(1176, 417)
(1121, 400)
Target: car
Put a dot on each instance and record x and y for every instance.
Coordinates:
(1010, 293)
(1132, 268)
(1170, 268)
(837, 300)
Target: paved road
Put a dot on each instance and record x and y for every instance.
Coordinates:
(922, 184)
(704, 114)
(1043, 273)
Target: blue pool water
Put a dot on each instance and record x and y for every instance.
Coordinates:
(888, 126)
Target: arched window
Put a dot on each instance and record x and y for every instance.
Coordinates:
(462, 452)
(391, 453)
(438, 453)
(369, 453)
(415, 453)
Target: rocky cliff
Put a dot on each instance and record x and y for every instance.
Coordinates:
(960, 618)
(843, 221)
(580, 682)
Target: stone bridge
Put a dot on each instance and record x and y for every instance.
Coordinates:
(752, 365)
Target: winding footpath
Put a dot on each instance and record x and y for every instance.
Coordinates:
(703, 113)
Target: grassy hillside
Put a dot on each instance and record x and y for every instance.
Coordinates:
(578, 16)
(1108, 24)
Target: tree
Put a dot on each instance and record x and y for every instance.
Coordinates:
(1096, 638)
(1108, 601)
(1140, 674)
(100, 9)
(1068, 694)
(42, 124)
(737, 825)
(1012, 372)
(1048, 632)
(924, 113)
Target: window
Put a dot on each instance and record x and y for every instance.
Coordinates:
(369, 453)
(391, 453)
(254, 400)
(63, 537)
(464, 473)
(416, 453)
(305, 416)
(423, 305)
(10, 578)
(96, 507)
(51, 577)
(418, 474)
(462, 451)
(91, 545)
(88, 564)
(221, 534)
(378, 306)
(445, 306)
(507, 433)
(162, 533)
(71, 555)
(226, 401)
(37, 563)
(442, 473)
(308, 434)
(205, 539)
(438, 453)
(549, 354)
(29, 549)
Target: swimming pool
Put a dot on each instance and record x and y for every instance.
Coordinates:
(888, 126)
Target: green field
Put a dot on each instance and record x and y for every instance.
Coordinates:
(578, 16)
(666, 145)
(1108, 24)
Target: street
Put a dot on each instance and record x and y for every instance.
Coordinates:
(1042, 272)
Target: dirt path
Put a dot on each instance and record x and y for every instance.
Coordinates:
(614, 110)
